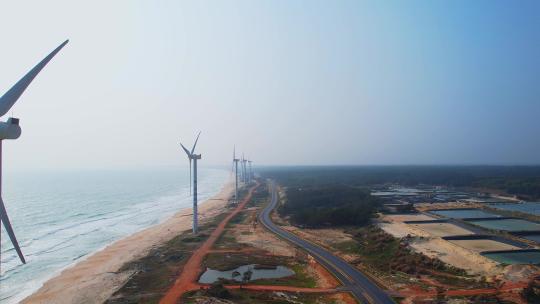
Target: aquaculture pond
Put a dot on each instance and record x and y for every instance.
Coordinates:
(507, 224)
(464, 213)
(514, 257)
(525, 207)
(211, 275)
(532, 237)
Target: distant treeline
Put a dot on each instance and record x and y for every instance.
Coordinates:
(331, 205)
(519, 180)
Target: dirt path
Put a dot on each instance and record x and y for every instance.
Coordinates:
(187, 280)
(282, 288)
(506, 288)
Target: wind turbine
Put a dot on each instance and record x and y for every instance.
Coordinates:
(12, 130)
(235, 164)
(250, 171)
(193, 157)
(244, 175)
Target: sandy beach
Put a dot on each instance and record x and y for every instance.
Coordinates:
(96, 278)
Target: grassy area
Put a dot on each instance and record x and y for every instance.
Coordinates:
(237, 219)
(300, 279)
(253, 297)
(227, 241)
(392, 257)
(228, 261)
(155, 273)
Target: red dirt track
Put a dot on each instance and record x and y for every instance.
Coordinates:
(187, 281)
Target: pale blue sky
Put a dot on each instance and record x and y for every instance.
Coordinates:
(290, 82)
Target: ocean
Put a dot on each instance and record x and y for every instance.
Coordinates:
(61, 217)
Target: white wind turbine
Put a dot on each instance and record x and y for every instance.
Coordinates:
(12, 130)
(235, 164)
(250, 171)
(193, 157)
(244, 175)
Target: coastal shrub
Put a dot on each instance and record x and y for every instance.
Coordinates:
(217, 290)
(331, 205)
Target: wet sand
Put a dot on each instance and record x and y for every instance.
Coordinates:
(96, 278)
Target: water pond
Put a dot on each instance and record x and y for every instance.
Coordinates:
(507, 225)
(211, 275)
(464, 213)
(525, 207)
(533, 237)
(515, 257)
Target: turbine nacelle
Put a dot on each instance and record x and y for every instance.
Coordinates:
(10, 129)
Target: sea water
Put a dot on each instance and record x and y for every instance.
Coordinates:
(62, 217)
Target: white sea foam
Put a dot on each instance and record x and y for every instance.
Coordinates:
(62, 217)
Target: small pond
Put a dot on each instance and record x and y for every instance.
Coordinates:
(532, 237)
(211, 275)
(525, 207)
(507, 224)
(516, 257)
(464, 213)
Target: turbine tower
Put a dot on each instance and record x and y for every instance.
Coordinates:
(193, 157)
(250, 171)
(235, 164)
(12, 130)
(244, 173)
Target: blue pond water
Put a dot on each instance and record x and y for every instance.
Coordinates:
(534, 237)
(516, 257)
(507, 225)
(211, 275)
(525, 207)
(469, 213)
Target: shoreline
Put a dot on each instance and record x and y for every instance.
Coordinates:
(95, 278)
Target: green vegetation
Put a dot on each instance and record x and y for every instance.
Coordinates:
(228, 261)
(389, 254)
(154, 273)
(334, 205)
(218, 294)
(519, 180)
(532, 292)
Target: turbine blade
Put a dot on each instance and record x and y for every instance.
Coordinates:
(186, 150)
(13, 94)
(5, 219)
(195, 144)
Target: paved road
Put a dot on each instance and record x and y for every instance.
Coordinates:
(352, 279)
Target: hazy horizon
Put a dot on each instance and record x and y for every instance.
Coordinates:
(290, 83)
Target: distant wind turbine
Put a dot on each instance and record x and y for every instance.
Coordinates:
(235, 164)
(244, 175)
(250, 171)
(12, 130)
(193, 157)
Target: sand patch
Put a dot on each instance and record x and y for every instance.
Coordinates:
(456, 256)
(442, 229)
(483, 245)
(260, 238)
(406, 217)
(400, 230)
